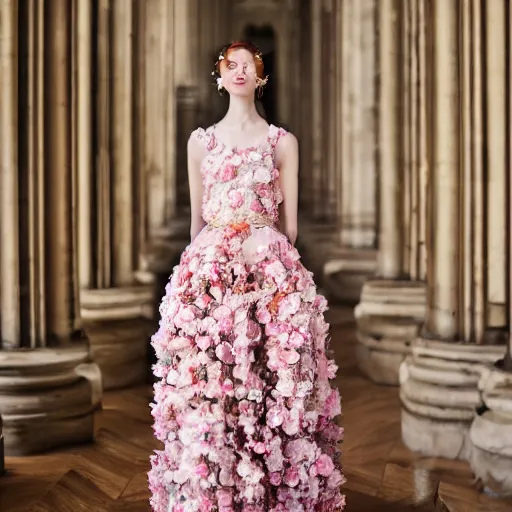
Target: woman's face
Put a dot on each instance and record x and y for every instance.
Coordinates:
(238, 73)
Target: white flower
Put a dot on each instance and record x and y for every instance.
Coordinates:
(219, 83)
(221, 57)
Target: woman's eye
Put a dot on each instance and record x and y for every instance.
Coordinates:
(232, 65)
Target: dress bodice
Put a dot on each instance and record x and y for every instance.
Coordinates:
(240, 185)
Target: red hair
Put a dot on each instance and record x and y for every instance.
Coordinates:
(252, 49)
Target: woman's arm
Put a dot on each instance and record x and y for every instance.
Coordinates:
(195, 155)
(287, 161)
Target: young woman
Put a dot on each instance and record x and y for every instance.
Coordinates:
(244, 406)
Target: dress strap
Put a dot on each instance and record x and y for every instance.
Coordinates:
(274, 134)
(205, 136)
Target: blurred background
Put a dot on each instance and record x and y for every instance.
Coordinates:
(403, 111)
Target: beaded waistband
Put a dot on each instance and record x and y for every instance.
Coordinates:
(253, 219)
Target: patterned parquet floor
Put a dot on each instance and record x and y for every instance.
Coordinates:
(383, 476)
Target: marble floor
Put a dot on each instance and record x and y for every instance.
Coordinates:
(382, 475)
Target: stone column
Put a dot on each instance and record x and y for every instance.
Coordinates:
(392, 305)
(317, 230)
(114, 304)
(49, 388)
(329, 54)
(171, 104)
(317, 98)
(491, 431)
(439, 381)
(305, 112)
(187, 101)
(354, 259)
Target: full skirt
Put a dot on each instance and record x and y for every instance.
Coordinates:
(243, 405)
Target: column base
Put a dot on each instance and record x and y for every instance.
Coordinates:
(491, 433)
(439, 395)
(117, 303)
(389, 316)
(346, 272)
(120, 348)
(48, 398)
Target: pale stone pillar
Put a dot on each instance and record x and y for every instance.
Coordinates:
(441, 381)
(115, 305)
(317, 97)
(295, 55)
(354, 259)
(491, 431)
(329, 55)
(187, 98)
(392, 305)
(320, 56)
(317, 133)
(171, 71)
(304, 134)
(51, 380)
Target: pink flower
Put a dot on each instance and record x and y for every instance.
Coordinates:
(289, 305)
(256, 206)
(296, 340)
(291, 477)
(262, 175)
(202, 470)
(285, 385)
(263, 316)
(224, 498)
(227, 172)
(185, 315)
(332, 368)
(275, 479)
(224, 353)
(263, 190)
(275, 416)
(290, 356)
(204, 342)
(336, 480)
(276, 271)
(275, 329)
(217, 293)
(180, 343)
(224, 317)
(259, 448)
(275, 362)
(227, 387)
(332, 406)
(324, 465)
(236, 198)
(203, 301)
(291, 424)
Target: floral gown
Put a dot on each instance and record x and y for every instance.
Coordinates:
(244, 406)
